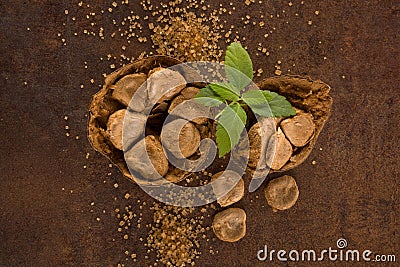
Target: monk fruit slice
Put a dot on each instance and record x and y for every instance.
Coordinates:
(283, 151)
(135, 127)
(114, 128)
(147, 158)
(298, 129)
(185, 142)
(282, 193)
(261, 142)
(225, 196)
(230, 225)
(126, 87)
(166, 83)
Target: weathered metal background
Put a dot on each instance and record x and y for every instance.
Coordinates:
(46, 193)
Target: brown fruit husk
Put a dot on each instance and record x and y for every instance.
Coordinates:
(305, 94)
(103, 105)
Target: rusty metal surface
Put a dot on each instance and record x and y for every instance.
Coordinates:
(46, 216)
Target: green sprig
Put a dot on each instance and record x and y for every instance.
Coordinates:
(232, 119)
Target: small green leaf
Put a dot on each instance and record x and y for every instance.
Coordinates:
(223, 141)
(204, 92)
(240, 68)
(231, 123)
(240, 112)
(224, 92)
(278, 104)
(257, 102)
(230, 87)
(207, 97)
(255, 97)
(268, 95)
(208, 101)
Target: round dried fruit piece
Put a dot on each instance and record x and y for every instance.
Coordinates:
(192, 109)
(282, 193)
(164, 84)
(189, 137)
(126, 87)
(114, 127)
(230, 225)
(261, 142)
(227, 198)
(147, 158)
(134, 128)
(299, 129)
(283, 151)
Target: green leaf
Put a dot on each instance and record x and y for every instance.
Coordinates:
(231, 123)
(223, 141)
(224, 92)
(207, 97)
(208, 101)
(278, 104)
(240, 112)
(257, 102)
(240, 68)
(230, 87)
(268, 95)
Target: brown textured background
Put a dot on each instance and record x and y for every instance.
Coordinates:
(352, 191)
